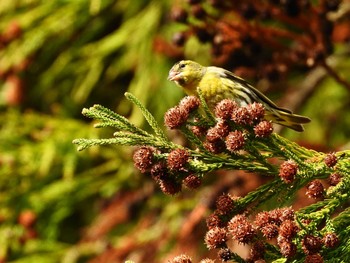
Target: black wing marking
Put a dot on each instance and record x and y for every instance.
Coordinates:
(227, 74)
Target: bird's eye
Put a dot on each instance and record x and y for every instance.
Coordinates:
(182, 65)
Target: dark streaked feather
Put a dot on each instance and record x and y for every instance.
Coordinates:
(259, 95)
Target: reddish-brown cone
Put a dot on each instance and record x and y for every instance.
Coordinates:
(315, 189)
(288, 170)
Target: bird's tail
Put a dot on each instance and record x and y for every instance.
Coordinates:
(288, 119)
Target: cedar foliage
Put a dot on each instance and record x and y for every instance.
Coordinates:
(57, 57)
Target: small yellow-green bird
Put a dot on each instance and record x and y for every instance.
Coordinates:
(217, 84)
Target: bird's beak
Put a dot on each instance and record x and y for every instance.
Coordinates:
(173, 75)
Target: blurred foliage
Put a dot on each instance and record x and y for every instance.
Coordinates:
(59, 56)
(80, 52)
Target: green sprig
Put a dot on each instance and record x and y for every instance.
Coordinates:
(111, 119)
(255, 157)
(148, 116)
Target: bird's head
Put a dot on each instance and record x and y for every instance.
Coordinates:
(187, 74)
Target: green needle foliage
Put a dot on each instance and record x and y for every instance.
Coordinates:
(58, 56)
(61, 52)
(230, 140)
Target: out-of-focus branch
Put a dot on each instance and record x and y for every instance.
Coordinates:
(334, 74)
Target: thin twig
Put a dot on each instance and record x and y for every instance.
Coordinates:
(335, 74)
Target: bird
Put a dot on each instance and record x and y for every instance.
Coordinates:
(216, 84)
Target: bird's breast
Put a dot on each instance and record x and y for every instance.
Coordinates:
(214, 89)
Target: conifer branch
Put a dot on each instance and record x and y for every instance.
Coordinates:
(111, 119)
(148, 116)
(221, 140)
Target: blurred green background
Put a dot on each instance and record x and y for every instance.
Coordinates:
(59, 56)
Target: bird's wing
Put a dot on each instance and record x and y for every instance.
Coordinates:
(259, 95)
